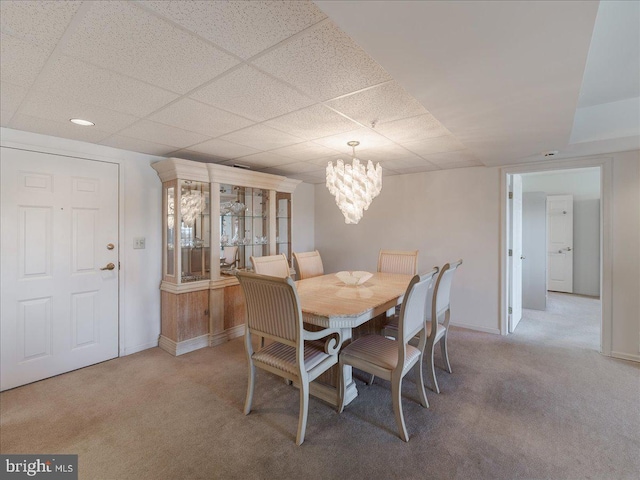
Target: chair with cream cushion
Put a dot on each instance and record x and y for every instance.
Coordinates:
(230, 259)
(296, 354)
(392, 359)
(309, 264)
(438, 307)
(272, 265)
(398, 261)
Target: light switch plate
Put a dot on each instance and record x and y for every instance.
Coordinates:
(138, 242)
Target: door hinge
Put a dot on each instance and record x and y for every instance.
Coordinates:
(510, 252)
(510, 310)
(510, 195)
(118, 265)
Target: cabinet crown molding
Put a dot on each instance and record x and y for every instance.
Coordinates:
(173, 168)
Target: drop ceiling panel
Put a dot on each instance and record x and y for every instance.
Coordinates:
(252, 94)
(10, 97)
(413, 129)
(163, 134)
(20, 62)
(386, 152)
(261, 137)
(70, 78)
(223, 149)
(310, 177)
(292, 168)
(59, 109)
(128, 40)
(38, 23)
(323, 62)
(244, 28)
(461, 158)
(366, 137)
(477, 66)
(305, 151)
(5, 117)
(57, 129)
(260, 160)
(196, 156)
(313, 122)
(200, 118)
(427, 167)
(407, 162)
(323, 161)
(138, 145)
(447, 143)
(383, 103)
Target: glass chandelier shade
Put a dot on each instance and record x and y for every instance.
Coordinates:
(192, 204)
(353, 186)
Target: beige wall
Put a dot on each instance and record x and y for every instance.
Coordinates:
(456, 213)
(626, 255)
(302, 231)
(447, 215)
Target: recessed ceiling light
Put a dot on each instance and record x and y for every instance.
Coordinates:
(552, 153)
(84, 123)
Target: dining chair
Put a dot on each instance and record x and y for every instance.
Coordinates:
(392, 359)
(296, 354)
(398, 261)
(272, 265)
(438, 307)
(230, 259)
(309, 264)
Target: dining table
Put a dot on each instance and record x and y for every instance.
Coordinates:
(327, 302)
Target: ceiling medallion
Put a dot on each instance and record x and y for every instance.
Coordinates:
(353, 186)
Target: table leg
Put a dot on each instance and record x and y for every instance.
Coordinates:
(329, 393)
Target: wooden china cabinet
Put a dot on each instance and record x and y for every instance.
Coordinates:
(208, 209)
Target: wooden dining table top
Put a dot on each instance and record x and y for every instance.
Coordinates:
(327, 302)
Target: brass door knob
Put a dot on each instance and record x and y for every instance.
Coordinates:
(110, 266)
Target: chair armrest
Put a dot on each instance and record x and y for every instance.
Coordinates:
(332, 345)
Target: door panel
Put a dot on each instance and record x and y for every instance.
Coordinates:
(560, 243)
(515, 300)
(534, 250)
(59, 311)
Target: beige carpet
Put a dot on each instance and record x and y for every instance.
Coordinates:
(541, 403)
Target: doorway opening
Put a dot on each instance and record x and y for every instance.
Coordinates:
(555, 242)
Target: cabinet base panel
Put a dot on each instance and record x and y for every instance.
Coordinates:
(186, 346)
(225, 336)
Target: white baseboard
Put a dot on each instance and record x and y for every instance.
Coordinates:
(626, 356)
(495, 331)
(186, 346)
(138, 348)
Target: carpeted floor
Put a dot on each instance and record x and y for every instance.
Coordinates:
(541, 403)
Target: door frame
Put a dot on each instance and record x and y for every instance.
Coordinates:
(10, 143)
(606, 291)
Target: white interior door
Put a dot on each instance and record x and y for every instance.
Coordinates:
(59, 305)
(515, 250)
(534, 250)
(560, 243)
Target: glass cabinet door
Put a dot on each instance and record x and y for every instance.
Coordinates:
(195, 231)
(243, 224)
(169, 254)
(283, 224)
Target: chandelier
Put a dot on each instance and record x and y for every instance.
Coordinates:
(353, 186)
